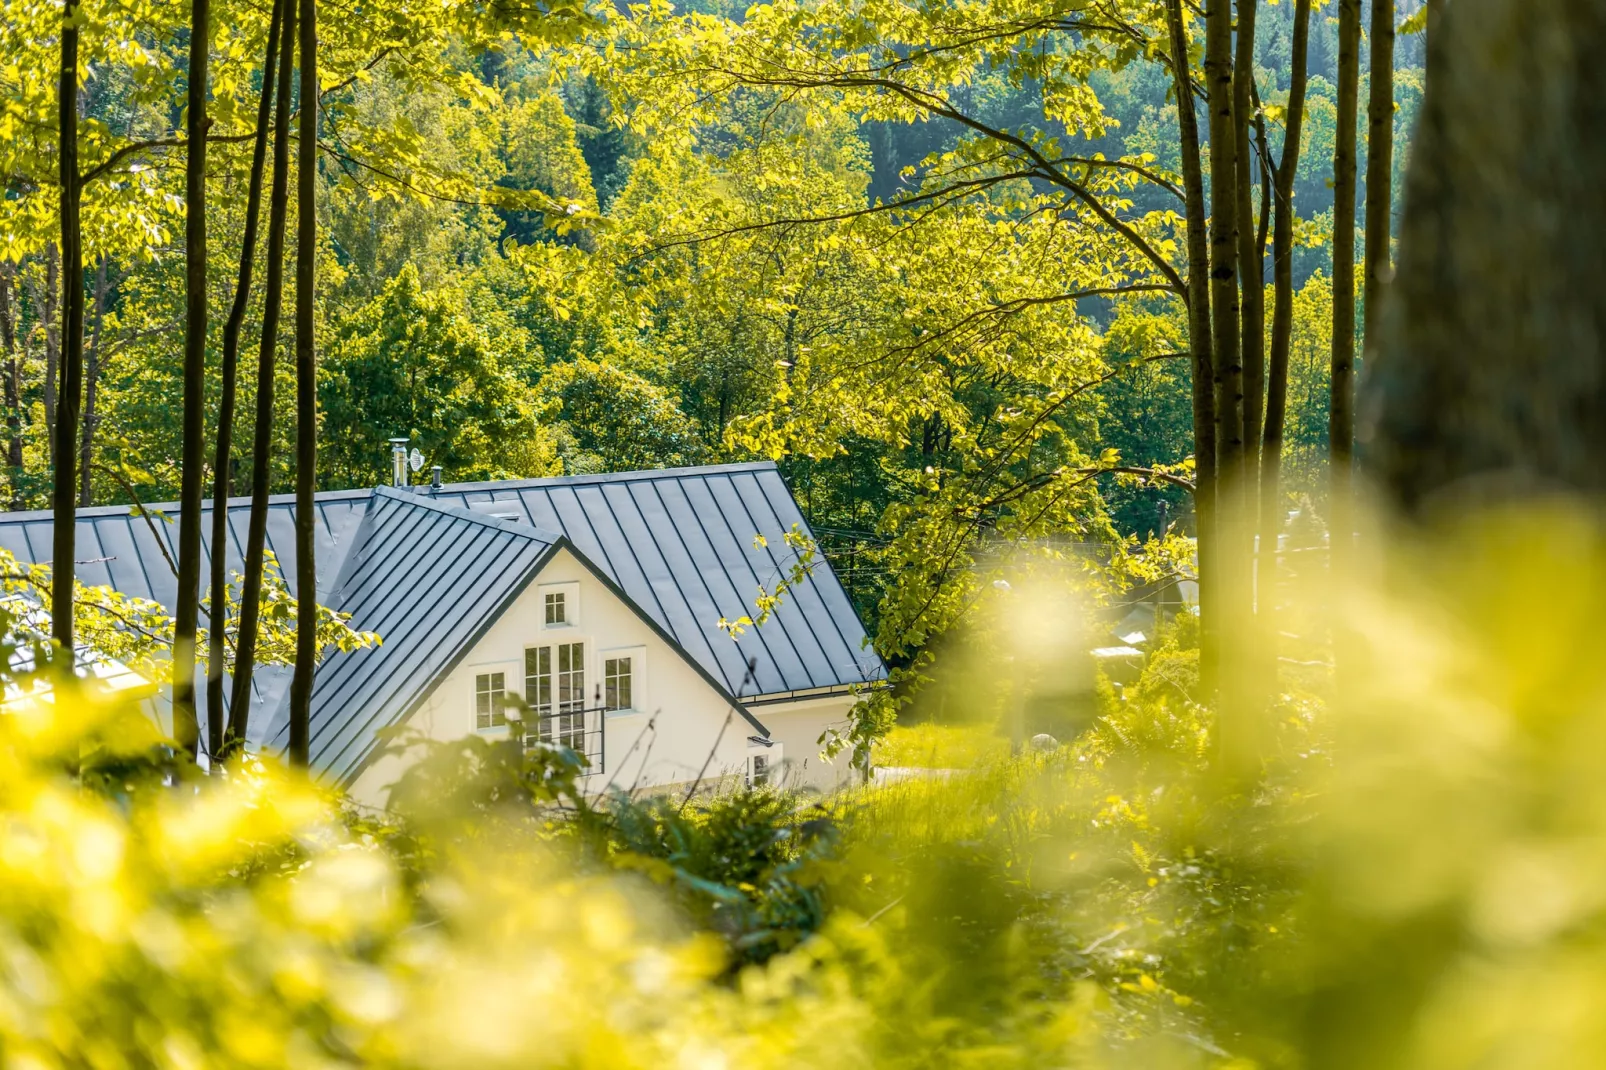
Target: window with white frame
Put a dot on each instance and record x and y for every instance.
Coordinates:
(758, 772)
(557, 607)
(490, 700)
(559, 604)
(618, 683)
(555, 689)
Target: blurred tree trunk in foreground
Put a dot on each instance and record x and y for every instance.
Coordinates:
(1491, 377)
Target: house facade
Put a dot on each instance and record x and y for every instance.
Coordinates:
(578, 610)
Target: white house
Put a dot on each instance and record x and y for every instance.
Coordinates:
(594, 599)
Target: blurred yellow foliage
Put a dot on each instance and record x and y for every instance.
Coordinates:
(1415, 878)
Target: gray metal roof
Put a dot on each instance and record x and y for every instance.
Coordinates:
(681, 543)
(429, 579)
(677, 544)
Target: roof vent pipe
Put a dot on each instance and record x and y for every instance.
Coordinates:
(398, 462)
(435, 477)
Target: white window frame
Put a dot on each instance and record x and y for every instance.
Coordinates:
(568, 718)
(638, 678)
(511, 678)
(570, 592)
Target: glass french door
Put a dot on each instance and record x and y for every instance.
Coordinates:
(555, 689)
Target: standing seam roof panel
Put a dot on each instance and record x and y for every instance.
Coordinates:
(623, 566)
(371, 589)
(717, 580)
(700, 602)
(471, 609)
(819, 651)
(723, 499)
(810, 607)
(834, 602)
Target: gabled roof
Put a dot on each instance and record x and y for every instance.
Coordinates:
(681, 543)
(429, 579)
(678, 545)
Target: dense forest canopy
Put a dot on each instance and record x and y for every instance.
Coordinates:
(933, 263)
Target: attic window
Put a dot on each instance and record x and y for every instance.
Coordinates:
(490, 700)
(760, 774)
(557, 608)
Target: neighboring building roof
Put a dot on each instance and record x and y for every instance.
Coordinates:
(677, 545)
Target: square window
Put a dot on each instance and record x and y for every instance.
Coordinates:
(617, 680)
(557, 608)
(490, 700)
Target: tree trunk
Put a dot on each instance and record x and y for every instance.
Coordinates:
(1491, 375)
(245, 644)
(1204, 398)
(306, 392)
(64, 483)
(47, 304)
(1282, 316)
(1430, 66)
(1224, 300)
(13, 383)
(1251, 252)
(186, 727)
(1341, 411)
(86, 441)
(1379, 161)
(222, 463)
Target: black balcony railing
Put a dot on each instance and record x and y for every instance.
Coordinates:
(580, 730)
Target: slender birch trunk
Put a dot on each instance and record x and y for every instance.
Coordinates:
(1379, 162)
(13, 382)
(1225, 305)
(186, 612)
(92, 362)
(1199, 341)
(64, 483)
(216, 652)
(262, 443)
(1251, 251)
(1282, 316)
(47, 304)
(306, 392)
(1341, 412)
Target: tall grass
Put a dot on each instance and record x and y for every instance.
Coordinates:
(1413, 875)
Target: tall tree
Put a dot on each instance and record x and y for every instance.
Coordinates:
(1379, 160)
(1491, 377)
(1199, 340)
(225, 421)
(1224, 297)
(1251, 249)
(92, 363)
(1282, 315)
(1341, 412)
(245, 646)
(306, 392)
(186, 611)
(64, 488)
(13, 381)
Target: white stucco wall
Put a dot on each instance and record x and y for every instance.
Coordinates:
(796, 727)
(679, 726)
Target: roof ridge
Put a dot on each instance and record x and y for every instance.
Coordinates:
(423, 501)
(641, 475)
(420, 490)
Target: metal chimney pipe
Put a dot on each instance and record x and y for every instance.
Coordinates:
(435, 477)
(398, 462)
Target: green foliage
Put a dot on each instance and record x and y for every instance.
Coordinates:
(615, 420)
(410, 362)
